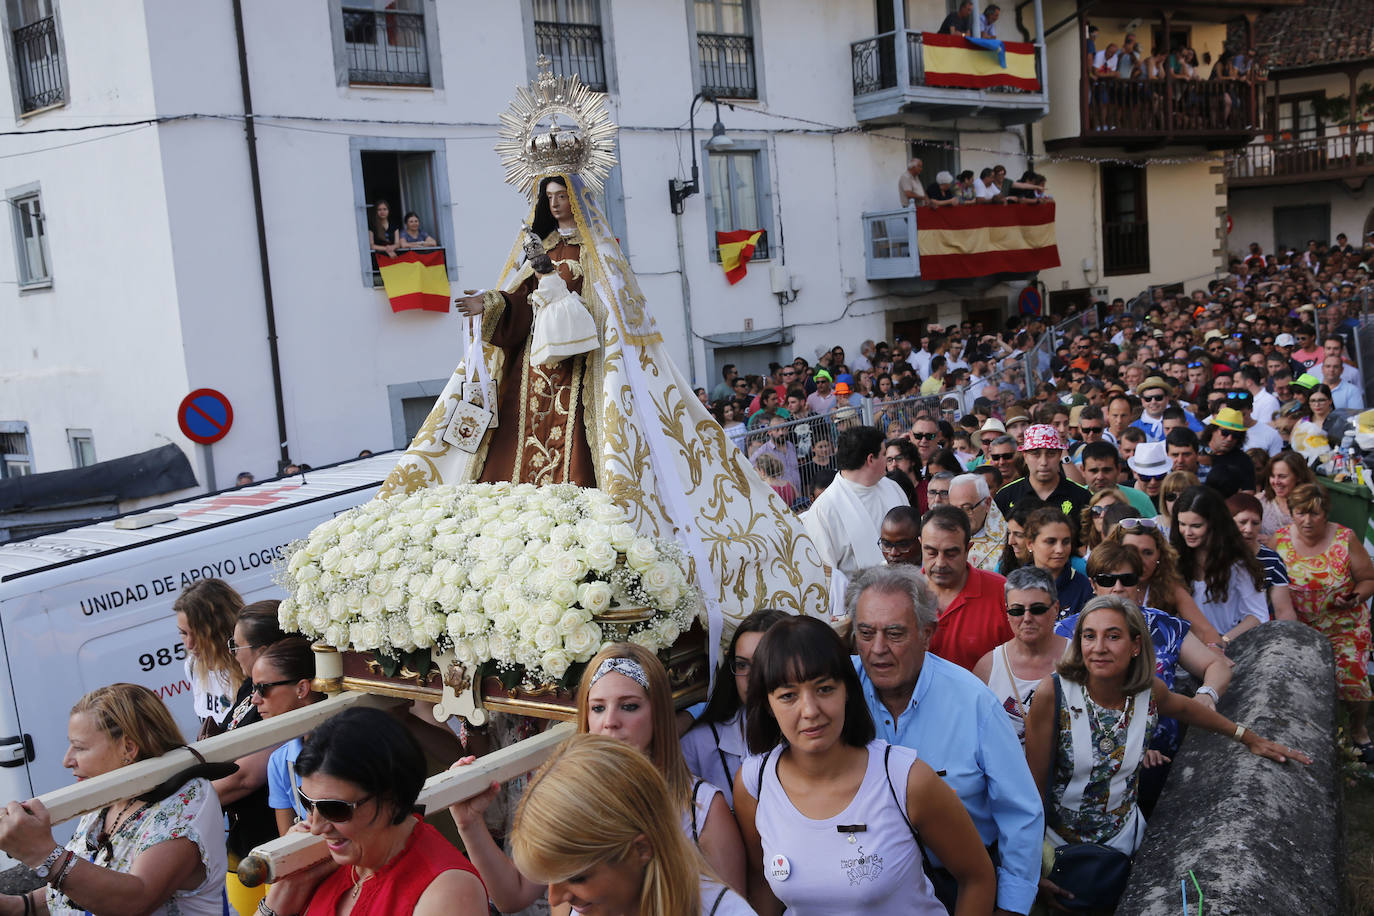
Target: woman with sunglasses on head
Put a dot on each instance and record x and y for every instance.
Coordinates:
(1093, 512)
(164, 857)
(1116, 569)
(1014, 669)
(1226, 580)
(715, 745)
(598, 824)
(243, 794)
(1049, 539)
(830, 815)
(1086, 747)
(624, 694)
(282, 682)
(360, 774)
(1248, 513)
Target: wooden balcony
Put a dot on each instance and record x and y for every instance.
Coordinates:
(1148, 114)
(1337, 156)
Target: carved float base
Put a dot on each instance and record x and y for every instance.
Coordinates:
(454, 692)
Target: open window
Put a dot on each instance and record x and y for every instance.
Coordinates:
(411, 176)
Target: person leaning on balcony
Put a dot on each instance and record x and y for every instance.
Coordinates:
(960, 22)
(945, 193)
(412, 236)
(382, 231)
(909, 186)
(985, 187)
(987, 23)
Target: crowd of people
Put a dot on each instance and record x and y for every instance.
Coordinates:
(1020, 576)
(988, 186)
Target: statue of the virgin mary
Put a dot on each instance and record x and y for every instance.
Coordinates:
(616, 414)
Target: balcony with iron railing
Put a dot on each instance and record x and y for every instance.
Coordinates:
(573, 48)
(1341, 153)
(386, 47)
(38, 63)
(1149, 113)
(727, 66)
(945, 77)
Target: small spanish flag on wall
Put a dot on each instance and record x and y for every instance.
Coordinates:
(415, 280)
(736, 248)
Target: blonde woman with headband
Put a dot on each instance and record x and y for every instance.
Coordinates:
(624, 695)
(598, 824)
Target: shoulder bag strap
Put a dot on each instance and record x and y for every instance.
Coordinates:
(692, 810)
(724, 765)
(1054, 741)
(719, 897)
(1011, 678)
(758, 789)
(915, 834)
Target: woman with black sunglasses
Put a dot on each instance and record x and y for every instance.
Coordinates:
(361, 772)
(281, 683)
(1014, 669)
(133, 856)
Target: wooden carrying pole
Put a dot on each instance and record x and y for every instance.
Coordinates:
(296, 852)
(97, 792)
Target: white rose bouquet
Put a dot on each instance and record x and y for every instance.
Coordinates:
(507, 576)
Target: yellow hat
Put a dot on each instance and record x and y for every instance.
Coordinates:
(1229, 418)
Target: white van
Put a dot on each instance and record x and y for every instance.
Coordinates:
(93, 605)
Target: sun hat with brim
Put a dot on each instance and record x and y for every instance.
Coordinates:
(1155, 381)
(822, 374)
(1228, 418)
(1212, 335)
(1076, 414)
(1285, 340)
(1151, 459)
(1307, 381)
(1041, 435)
(1016, 415)
(993, 425)
(841, 389)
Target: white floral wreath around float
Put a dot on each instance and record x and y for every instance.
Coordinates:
(516, 580)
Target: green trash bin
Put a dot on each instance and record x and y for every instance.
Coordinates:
(1350, 506)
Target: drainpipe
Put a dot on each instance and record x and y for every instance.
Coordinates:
(1029, 126)
(250, 134)
(686, 302)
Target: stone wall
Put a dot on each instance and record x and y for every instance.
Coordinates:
(1261, 837)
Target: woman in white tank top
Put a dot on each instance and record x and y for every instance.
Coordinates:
(833, 820)
(1014, 669)
(624, 694)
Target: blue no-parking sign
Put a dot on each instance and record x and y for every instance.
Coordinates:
(205, 416)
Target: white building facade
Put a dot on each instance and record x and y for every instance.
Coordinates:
(137, 273)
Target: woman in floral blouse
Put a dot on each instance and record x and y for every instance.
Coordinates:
(164, 858)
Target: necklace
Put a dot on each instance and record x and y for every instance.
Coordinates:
(359, 882)
(1109, 739)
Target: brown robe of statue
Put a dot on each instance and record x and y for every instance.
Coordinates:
(542, 438)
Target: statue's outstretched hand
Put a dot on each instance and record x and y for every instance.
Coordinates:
(470, 304)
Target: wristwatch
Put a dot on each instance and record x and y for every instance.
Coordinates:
(45, 869)
(1209, 691)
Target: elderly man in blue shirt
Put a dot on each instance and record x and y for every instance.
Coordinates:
(947, 715)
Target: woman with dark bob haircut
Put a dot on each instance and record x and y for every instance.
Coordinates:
(361, 772)
(812, 740)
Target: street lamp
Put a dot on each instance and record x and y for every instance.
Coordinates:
(678, 190)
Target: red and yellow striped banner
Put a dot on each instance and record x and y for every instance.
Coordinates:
(736, 248)
(982, 239)
(415, 280)
(952, 60)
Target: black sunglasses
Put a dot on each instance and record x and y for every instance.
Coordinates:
(1091, 429)
(1152, 397)
(924, 436)
(261, 689)
(1038, 609)
(1004, 456)
(1231, 433)
(334, 810)
(1107, 580)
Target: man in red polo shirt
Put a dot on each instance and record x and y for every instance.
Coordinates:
(973, 602)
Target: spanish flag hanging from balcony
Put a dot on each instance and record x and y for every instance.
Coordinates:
(965, 63)
(736, 248)
(416, 280)
(985, 239)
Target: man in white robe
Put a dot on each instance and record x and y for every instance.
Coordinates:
(844, 522)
